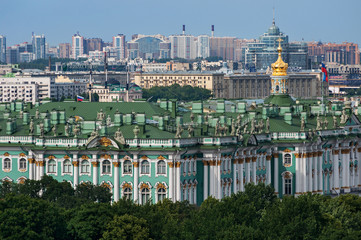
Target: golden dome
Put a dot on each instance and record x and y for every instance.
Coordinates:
(279, 68)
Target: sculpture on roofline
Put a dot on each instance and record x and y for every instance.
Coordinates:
(302, 124)
(118, 135)
(233, 129)
(41, 129)
(136, 131)
(31, 126)
(267, 125)
(179, 131)
(334, 118)
(66, 130)
(109, 121)
(100, 115)
(190, 130)
(54, 130)
(37, 113)
(325, 123)
(318, 126)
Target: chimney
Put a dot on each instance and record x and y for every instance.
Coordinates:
(212, 30)
(184, 29)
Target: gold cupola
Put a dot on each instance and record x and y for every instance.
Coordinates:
(279, 68)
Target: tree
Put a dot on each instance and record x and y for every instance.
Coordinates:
(89, 220)
(22, 217)
(126, 227)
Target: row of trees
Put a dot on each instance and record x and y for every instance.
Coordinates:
(48, 209)
(175, 91)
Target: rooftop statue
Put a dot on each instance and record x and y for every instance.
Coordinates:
(217, 130)
(31, 127)
(41, 129)
(109, 121)
(136, 131)
(233, 131)
(76, 130)
(37, 113)
(344, 117)
(319, 124)
(54, 130)
(66, 130)
(190, 130)
(334, 118)
(302, 124)
(179, 131)
(267, 125)
(325, 123)
(100, 115)
(253, 126)
(118, 135)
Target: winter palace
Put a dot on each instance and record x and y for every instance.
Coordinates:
(150, 151)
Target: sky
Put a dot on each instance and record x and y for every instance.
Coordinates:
(311, 20)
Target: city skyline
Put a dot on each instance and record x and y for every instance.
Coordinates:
(299, 21)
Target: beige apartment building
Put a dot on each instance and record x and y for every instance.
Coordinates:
(250, 85)
(208, 80)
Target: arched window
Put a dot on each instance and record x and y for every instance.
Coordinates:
(287, 183)
(7, 164)
(161, 167)
(51, 166)
(85, 168)
(145, 167)
(145, 195)
(161, 194)
(106, 167)
(127, 193)
(22, 164)
(67, 166)
(287, 160)
(185, 167)
(127, 167)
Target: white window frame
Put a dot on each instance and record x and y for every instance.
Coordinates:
(284, 160)
(131, 192)
(141, 168)
(3, 164)
(131, 167)
(48, 165)
(157, 194)
(102, 165)
(63, 169)
(141, 196)
(165, 169)
(81, 168)
(284, 183)
(26, 165)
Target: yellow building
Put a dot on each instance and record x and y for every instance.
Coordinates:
(207, 80)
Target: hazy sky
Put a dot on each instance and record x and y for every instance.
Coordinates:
(331, 20)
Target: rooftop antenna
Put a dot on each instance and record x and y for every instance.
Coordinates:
(106, 69)
(212, 30)
(90, 82)
(273, 22)
(184, 29)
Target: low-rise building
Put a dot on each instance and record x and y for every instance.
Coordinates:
(117, 93)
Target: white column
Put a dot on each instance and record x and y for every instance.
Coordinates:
(309, 162)
(336, 173)
(276, 174)
(254, 169)
(95, 164)
(235, 163)
(75, 170)
(178, 185)
(31, 167)
(219, 184)
(241, 167)
(116, 178)
(304, 172)
(41, 165)
(345, 170)
(319, 162)
(37, 171)
(315, 176)
(171, 179)
(359, 167)
(268, 170)
(205, 179)
(248, 170)
(195, 194)
(298, 174)
(136, 177)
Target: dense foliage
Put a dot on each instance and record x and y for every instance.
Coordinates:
(353, 91)
(175, 91)
(43, 63)
(48, 209)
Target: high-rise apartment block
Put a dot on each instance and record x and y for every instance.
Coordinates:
(64, 50)
(203, 46)
(39, 46)
(119, 45)
(222, 47)
(93, 44)
(77, 46)
(148, 47)
(344, 53)
(183, 46)
(2, 49)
